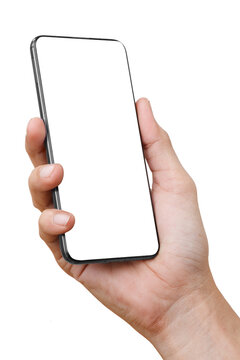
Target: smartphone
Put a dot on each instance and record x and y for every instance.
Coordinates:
(86, 101)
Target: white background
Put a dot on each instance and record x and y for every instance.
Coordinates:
(184, 56)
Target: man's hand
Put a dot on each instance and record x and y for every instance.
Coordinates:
(170, 299)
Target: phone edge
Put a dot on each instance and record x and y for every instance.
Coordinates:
(50, 157)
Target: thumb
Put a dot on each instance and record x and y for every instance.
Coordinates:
(168, 173)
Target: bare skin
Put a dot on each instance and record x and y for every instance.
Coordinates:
(172, 300)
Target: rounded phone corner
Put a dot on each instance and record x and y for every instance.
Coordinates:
(157, 251)
(64, 251)
(34, 41)
(121, 44)
(154, 252)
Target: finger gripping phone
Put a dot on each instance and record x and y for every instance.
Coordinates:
(87, 103)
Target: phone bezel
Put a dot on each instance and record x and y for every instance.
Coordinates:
(50, 157)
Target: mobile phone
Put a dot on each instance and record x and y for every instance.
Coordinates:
(86, 101)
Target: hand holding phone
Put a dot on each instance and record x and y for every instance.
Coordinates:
(161, 297)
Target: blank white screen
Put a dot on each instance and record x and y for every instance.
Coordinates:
(95, 136)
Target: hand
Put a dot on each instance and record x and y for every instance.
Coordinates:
(169, 299)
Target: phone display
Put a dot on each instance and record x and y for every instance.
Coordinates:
(87, 103)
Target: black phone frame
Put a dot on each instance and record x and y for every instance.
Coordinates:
(50, 157)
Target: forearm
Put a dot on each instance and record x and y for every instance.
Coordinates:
(201, 325)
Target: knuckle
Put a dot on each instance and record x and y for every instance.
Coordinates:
(188, 185)
(30, 179)
(34, 181)
(46, 213)
(41, 234)
(165, 137)
(193, 185)
(175, 182)
(41, 218)
(40, 227)
(37, 204)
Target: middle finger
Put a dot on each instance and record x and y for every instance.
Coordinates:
(42, 180)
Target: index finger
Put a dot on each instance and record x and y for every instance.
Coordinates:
(34, 141)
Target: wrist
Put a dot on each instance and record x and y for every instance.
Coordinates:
(200, 325)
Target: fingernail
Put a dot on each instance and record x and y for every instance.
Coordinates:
(61, 219)
(46, 171)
